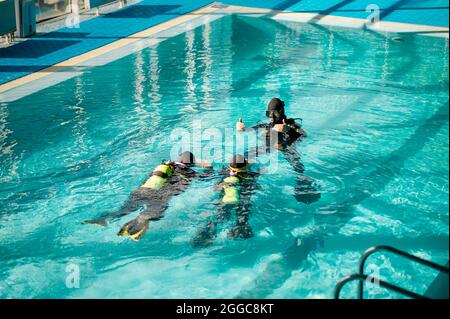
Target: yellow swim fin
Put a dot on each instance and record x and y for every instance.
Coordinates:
(136, 236)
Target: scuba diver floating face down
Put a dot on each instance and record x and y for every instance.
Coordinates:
(280, 134)
(168, 179)
(235, 191)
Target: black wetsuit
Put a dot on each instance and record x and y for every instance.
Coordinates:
(305, 188)
(247, 186)
(154, 202)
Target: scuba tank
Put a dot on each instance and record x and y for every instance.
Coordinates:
(231, 190)
(159, 176)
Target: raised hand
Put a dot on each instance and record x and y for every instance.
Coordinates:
(240, 126)
(281, 128)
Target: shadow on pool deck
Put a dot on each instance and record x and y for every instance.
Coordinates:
(35, 49)
(44, 50)
(141, 11)
(61, 35)
(99, 31)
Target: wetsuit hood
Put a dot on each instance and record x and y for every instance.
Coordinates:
(186, 158)
(238, 162)
(275, 110)
(275, 104)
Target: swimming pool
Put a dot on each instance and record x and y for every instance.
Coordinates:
(375, 109)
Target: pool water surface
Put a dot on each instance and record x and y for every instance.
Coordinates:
(376, 113)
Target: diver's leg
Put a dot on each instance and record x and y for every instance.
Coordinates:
(137, 227)
(132, 204)
(206, 234)
(305, 189)
(242, 229)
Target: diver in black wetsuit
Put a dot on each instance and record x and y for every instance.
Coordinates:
(236, 190)
(167, 180)
(281, 133)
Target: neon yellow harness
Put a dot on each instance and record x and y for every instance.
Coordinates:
(231, 190)
(159, 177)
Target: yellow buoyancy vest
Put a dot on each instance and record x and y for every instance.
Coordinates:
(231, 190)
(159, 177)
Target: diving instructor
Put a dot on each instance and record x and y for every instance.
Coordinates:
(286, 131)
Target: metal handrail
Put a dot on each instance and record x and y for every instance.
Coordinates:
(361, 278)
(395, 251)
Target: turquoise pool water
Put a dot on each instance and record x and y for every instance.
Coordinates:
(375, 109)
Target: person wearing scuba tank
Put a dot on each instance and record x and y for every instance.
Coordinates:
(289, 130)
(236, 189)
(281, 133)
(168, 179)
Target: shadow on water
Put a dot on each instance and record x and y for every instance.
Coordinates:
(141, 11)
(273, 64)
(330, 10)
(278, 271)
(246, 43)
(394, 7)
(365, 99)
(286, 4)
(39, 185)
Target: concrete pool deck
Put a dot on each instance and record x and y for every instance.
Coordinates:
(66, 48)
(427, 12)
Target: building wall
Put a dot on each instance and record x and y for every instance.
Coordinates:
(96, 3)
(46, 9)
(7, 17)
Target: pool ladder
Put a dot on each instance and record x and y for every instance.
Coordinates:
(361, 277)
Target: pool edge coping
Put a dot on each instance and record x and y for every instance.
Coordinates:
(334, 20)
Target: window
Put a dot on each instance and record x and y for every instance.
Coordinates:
(46, 9)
